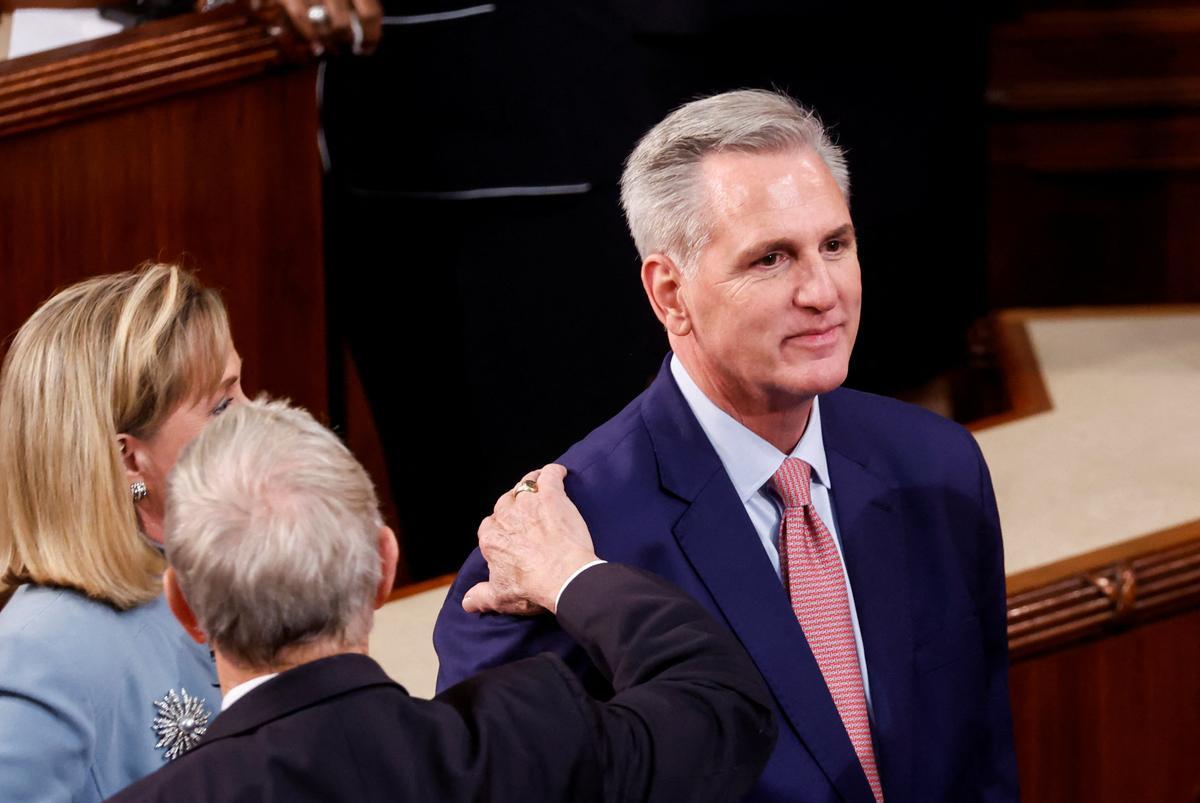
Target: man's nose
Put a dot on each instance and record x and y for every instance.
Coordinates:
(815, 288)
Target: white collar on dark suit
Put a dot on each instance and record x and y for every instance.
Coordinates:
(242, 689)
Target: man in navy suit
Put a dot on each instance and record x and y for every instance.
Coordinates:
(851, 542)
(277, 560)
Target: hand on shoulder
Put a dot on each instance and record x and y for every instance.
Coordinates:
(533, 542)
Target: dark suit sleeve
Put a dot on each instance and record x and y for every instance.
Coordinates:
(690, 718)
(998, 781)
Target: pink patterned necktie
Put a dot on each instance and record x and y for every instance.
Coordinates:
(816, 584)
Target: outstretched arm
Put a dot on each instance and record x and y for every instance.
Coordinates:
(467, 643)
(690, 718)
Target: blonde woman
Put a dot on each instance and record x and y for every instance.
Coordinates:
(100, 391)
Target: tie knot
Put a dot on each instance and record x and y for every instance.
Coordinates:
(792, 482)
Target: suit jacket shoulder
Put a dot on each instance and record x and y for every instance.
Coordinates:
(601, 442)
(895, 437)
(921, 544)
(78, 681)
(338, 729)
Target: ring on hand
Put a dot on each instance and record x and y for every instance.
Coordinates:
(318, 15)
(525, 486)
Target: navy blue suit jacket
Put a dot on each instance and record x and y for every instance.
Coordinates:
(921, 540)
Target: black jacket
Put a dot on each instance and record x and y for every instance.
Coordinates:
(690, 720)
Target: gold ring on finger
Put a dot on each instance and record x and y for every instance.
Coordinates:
(525, 486)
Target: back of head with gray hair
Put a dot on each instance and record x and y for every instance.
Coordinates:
(272, 528)
(660, 186)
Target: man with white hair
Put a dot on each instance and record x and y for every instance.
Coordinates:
(278, 559)
(851, 542)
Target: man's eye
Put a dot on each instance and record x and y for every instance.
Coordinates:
(834, 246)
(770, 260)
(223, 406)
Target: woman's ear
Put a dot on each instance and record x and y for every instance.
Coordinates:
(131, 449)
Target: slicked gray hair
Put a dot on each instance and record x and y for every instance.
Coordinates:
(272, 528)
(660, 190)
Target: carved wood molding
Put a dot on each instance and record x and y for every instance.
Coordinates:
(1113, 587)
(142, 64)
(1092, 603)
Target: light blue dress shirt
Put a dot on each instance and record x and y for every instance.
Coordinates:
(78, 682)
(750, 461)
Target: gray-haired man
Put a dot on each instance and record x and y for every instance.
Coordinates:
(850, 541)
(278, 558)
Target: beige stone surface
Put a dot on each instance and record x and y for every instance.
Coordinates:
(1118, 456)
(402, 641)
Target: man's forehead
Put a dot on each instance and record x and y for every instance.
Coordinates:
(733, 180)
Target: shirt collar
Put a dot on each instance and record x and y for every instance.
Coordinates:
(242, 689)
(749, 460)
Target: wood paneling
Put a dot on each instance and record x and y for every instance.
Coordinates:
(161, 144)
(137, 66)
(1094, 157)
(193, 139)
(1112, 719)
(1097, 59)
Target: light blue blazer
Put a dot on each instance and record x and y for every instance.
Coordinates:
(78, 683)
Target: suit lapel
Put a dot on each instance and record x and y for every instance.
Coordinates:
(874, 545)
(716, 536)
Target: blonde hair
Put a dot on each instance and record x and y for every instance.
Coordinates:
(272, 528)
(113, 354)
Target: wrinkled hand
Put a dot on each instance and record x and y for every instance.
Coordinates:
(532, 543)
(338, 32)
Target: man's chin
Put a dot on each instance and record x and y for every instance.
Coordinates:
(814, 380)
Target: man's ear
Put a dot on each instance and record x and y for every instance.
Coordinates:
(663, 282)
(389, 555)
(179, 606)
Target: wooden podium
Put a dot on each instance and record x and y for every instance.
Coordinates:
(1096, 472)
(190, 139)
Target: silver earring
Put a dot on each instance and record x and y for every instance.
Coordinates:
(137, 490)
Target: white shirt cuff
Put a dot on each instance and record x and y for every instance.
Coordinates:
(575, 574)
